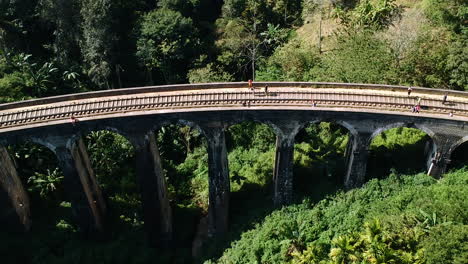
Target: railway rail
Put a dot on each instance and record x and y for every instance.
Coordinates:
(212, 98)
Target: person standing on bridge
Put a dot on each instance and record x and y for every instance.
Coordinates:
(409, 90)
(250, 84)
(266, 89)
(444, 99)
(73, 120)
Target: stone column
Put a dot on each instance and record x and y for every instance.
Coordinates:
(283, 170)
(219, 185)
(430, 151)
(357, 160)
(440, 158)
(81, 186)
(15, 211)
(156, 206)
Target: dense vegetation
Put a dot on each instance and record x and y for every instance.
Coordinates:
(60, 46)
(50, 47)
(401, 219)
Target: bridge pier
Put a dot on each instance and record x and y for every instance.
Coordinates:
(358, 152)
(284, 157)
(88, 205)
(283, 171)
(440, 158)
(219, 185)
(156, 206)
(438, 165)
(15, 211)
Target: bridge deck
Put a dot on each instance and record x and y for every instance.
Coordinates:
(342, 98)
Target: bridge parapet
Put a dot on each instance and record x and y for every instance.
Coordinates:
(211, 86)
(101, 107)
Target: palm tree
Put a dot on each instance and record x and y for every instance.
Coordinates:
(375, 239)
(312, 255)
(344, 251)
(373, 232)
(381, 253)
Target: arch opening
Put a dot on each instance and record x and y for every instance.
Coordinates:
(38, 168)
(251, 147)
(184, 157)
(402, 150)
(112, 159)
(459, 157)
(320, 159)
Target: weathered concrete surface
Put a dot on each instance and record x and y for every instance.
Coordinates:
(440, 158)
(88, 204)
(219, 185)
(357, 160)
(283, 170)
(156, 206)
(15, 211)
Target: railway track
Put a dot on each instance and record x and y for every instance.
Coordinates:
(140, 102)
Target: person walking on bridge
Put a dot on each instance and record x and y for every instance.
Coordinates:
(409, 90)
(250, 84)
(444, 99)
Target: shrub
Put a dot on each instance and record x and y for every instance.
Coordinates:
(404, 214)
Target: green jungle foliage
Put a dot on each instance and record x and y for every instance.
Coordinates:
(387, 149)
(319, 159)
(56, 47)
(319, 166)
(401, 219)
(51, 47)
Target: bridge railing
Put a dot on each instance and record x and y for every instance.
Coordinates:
(211, 86)
(142, 102)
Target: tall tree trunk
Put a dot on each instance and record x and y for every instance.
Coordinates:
(320, 34)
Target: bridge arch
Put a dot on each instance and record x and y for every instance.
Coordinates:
(317, 169)
(104, 117)
(45, 147)
(418, 155)
(307, 123)
(36, 167)
(272, 124)
(51, 145)
(86, 130)
(423, 128)
(457, 144)
(183, 161)
(351, 129)
(458, 153)
(177, 122)
(251, 145)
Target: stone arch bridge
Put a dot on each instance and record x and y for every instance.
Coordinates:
(365, 110)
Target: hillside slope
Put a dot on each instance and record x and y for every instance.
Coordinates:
(404, 219)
